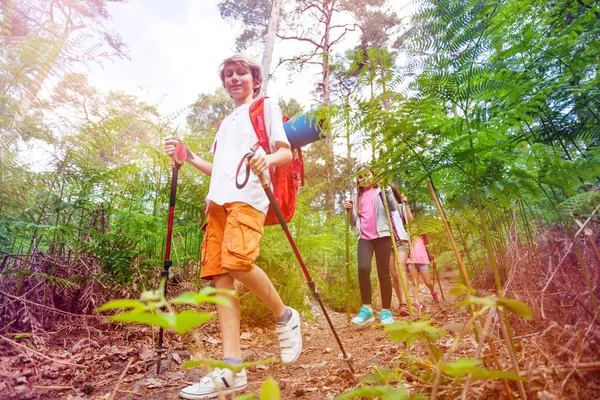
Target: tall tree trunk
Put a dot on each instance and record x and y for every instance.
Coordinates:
(267, 57)
(348, 133)
(329, 155)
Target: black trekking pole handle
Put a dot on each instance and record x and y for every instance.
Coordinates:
(311, 284)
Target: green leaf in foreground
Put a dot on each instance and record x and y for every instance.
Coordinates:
(410, 331)
(466, 366)
(516, 306)
(123, 303)
(159, 319)
(381, 376)
(380, 392)
(245, 397)
(187, 320)
(270, 390)
(198, 298)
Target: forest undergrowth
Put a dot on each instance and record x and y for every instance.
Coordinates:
(54, 345)
(488, 121)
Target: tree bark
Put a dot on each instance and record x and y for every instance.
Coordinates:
(329, 154)
(267, 57)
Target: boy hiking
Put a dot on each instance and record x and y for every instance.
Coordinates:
(235, 224)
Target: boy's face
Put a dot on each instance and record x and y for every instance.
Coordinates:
(239, 83)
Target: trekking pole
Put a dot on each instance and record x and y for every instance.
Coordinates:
(178, 159)
(311, 284)
(348, 265)
(410, 254)
(435, 272)
(395, 251)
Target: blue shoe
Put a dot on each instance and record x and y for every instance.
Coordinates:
(386, 317)
(364, 316)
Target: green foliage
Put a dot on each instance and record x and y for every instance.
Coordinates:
(116, 253)
(148, 310)
(499, 115)
(387, 382)
(498, 111)
(321, 242)
(408, 331)
(516, 306)
(380, 392)
(468, 366)
(253, 14)
(446, 260)
(270, 390)
(49, 279)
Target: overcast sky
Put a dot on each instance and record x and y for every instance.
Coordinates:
(176, 47)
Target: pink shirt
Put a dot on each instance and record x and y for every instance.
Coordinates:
(419, 253)
(368, 215)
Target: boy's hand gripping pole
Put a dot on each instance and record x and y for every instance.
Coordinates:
(311, 284)
(178, 159)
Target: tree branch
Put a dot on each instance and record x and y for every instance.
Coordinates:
(308, 7)
(301, 39)
(346, 30)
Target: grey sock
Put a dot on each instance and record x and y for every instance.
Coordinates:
(287, 315)
(232, 361)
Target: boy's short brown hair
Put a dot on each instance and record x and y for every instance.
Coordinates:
(251, 65)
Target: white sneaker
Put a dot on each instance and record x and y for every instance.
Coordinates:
(216, 383)
(290, 339)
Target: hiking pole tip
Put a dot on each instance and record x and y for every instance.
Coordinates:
(348, 358)
(159, 351)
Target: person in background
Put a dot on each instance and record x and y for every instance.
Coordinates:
(418, 263)
(371, 222)
(399, 220)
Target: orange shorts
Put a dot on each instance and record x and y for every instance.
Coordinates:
(232, 238)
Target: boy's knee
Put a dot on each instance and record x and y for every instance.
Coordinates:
(223, 281)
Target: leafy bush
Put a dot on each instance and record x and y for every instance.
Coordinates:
(437, 369)
(155, 310)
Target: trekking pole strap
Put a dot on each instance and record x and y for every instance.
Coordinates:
(246, 157)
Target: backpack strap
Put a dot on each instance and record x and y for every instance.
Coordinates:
(301, 163)
(257, 117)
(401, 212)
(394, 229)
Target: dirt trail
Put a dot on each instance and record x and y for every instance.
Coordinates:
(109, 354)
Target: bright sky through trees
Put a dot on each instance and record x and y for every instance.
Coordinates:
(175, 49)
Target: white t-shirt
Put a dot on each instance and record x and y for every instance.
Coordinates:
(234, 139)
(399, 225)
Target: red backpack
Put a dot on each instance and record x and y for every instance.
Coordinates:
(285, 179)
